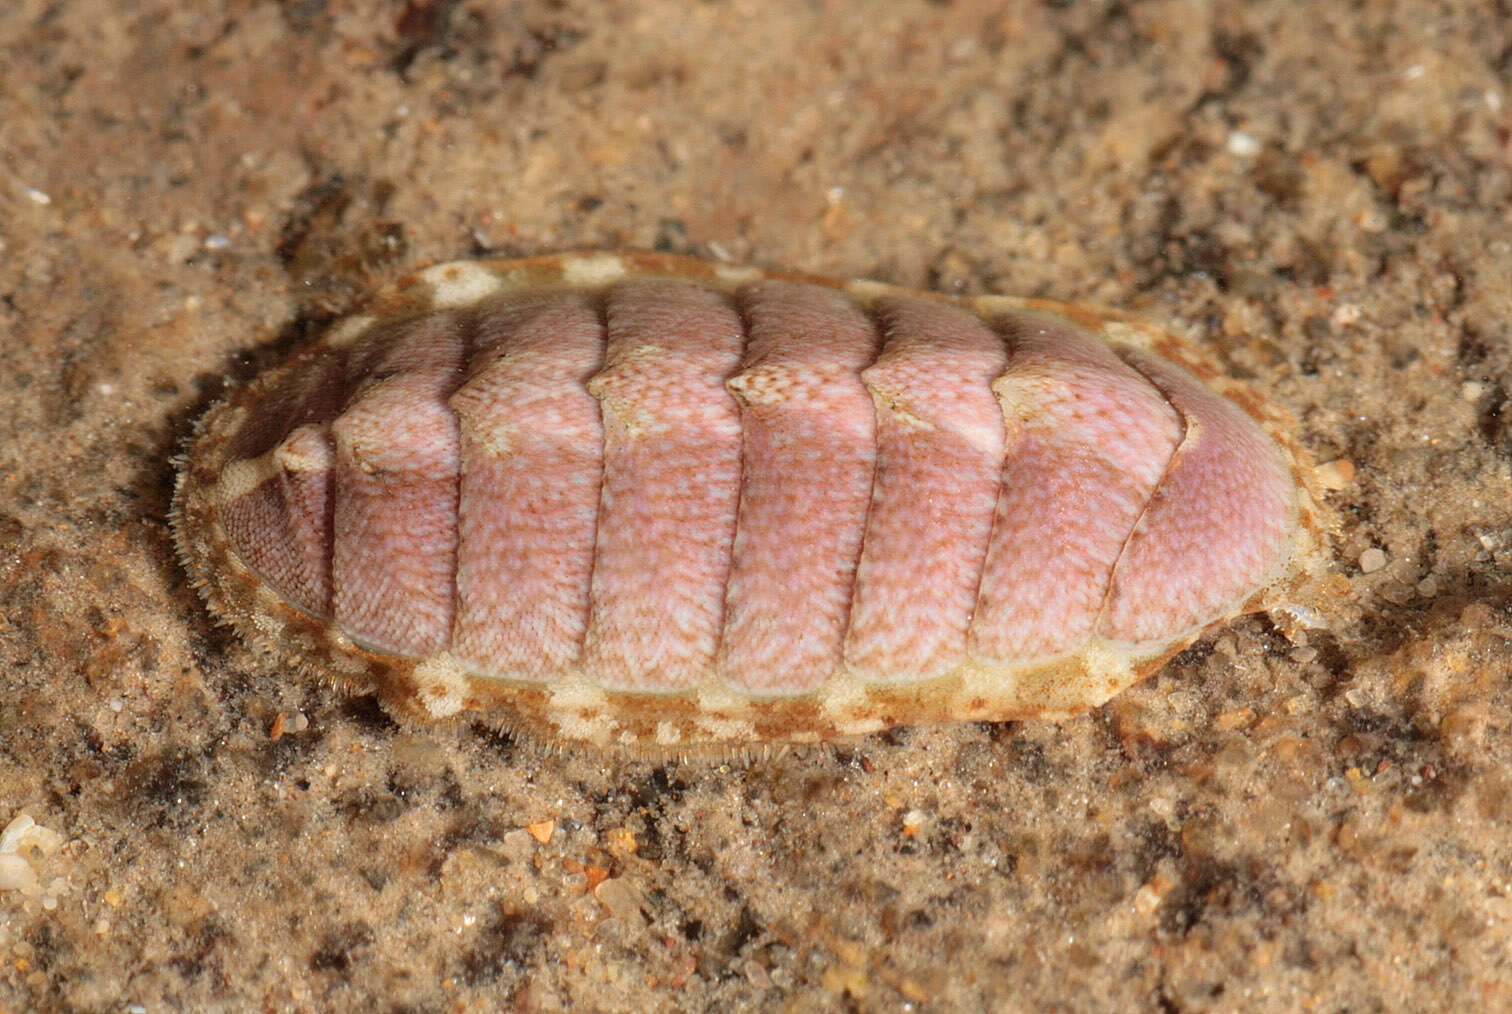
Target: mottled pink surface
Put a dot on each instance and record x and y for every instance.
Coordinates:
(532, 462)
(1089, 439)
(1215, 523)
(306, 498)
(808, 452)
(394, 556)
(939, 455)
(663, 482)
(671, 483)
(263, 527)
(283, 526)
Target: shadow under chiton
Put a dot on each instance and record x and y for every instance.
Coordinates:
(660, 502)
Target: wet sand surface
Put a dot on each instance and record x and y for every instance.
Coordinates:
(1319, 194)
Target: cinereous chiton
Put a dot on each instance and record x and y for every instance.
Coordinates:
(659, 502)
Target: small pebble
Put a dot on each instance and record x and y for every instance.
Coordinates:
(1335, 475)
(756, 975)
(519, 843)
(1372, 560)
(1235, 719)
(23, 834)
(1242, 144)
(16, 874)
(1147, 899)
(618, 897)
(1345, 314)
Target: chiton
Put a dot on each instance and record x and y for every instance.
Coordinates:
(653, 501)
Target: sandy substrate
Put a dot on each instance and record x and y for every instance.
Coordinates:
(1318, 192)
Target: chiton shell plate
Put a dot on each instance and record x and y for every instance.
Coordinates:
(659, 502)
